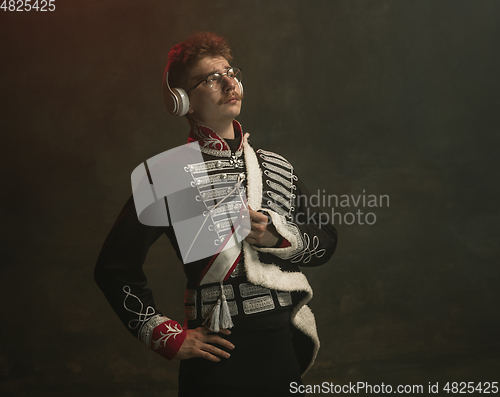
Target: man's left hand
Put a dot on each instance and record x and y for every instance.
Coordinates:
(262, 232)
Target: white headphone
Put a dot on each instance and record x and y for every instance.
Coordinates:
(176, 100)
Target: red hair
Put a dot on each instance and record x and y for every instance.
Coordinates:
(185, 55)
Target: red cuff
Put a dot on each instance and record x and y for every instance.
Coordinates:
(285, 243)
(167, 338)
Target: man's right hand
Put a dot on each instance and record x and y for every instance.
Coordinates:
(199, 344)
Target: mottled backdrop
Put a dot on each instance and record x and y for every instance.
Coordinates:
(387, 97)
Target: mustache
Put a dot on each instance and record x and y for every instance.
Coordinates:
(227, 97)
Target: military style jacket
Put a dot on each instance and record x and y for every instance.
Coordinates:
(272, 276)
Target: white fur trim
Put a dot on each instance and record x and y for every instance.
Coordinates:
(288, 231)
(270, 275)
(254, 196)
(304, 321)
(254, 177)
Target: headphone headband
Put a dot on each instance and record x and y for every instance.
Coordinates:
(176, 100)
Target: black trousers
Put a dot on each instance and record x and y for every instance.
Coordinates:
(263, 363)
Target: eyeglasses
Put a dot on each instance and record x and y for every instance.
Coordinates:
(214, 80)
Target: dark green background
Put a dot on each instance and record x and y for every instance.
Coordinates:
(399, 98)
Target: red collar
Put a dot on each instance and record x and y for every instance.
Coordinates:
(211, 143)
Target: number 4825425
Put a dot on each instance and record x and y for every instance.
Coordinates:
(28, 5)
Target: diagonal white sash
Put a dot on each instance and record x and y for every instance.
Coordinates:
(224, 261)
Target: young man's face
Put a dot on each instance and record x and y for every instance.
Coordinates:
(209, 107)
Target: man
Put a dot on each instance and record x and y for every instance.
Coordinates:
(248, 330)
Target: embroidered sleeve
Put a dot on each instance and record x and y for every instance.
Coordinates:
(163, 335)
(119, 274)
(311, 240)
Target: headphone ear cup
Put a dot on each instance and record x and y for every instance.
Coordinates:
(182, 102)
(176, 101)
